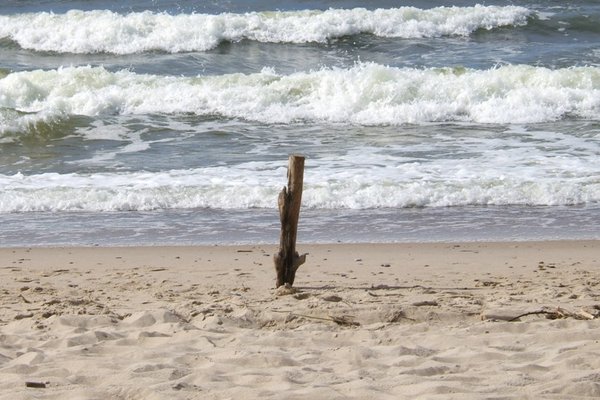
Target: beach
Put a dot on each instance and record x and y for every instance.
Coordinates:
(450, 200)
(424, 320)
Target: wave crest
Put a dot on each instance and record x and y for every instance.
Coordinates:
(105, 31)
(366, 94)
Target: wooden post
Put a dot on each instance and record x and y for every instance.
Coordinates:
(287, 260)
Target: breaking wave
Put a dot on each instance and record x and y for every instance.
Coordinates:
(105, 31)
(366, 94)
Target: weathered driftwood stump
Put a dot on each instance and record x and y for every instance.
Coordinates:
(287, 260)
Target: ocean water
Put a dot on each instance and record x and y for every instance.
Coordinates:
(171, 121)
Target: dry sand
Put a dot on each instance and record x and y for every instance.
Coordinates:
(366, 322)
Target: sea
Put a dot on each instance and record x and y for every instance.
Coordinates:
(170, 122)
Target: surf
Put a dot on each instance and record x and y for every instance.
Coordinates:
(365, 94)
(103, 31)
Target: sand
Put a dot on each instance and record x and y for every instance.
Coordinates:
(397, 321)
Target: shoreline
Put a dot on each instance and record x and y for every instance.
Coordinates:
(275, 243)
(448, 320)
(252, 226)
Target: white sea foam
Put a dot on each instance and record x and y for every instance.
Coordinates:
(362, 180)
(368, 94)
(105, 31)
